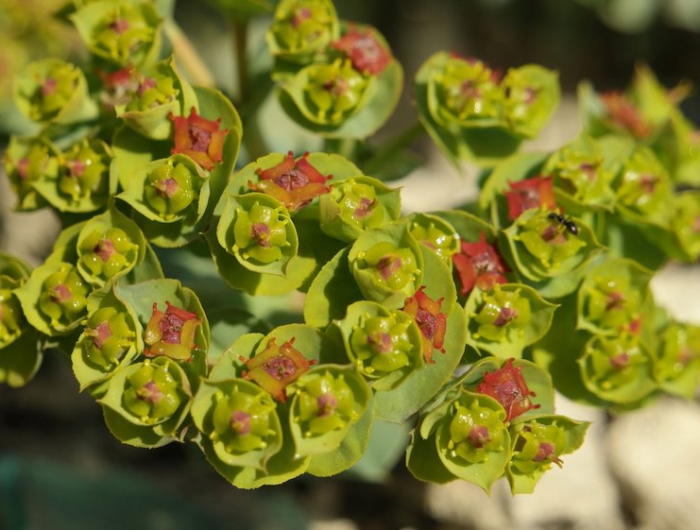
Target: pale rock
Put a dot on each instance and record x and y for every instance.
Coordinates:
(654, 455)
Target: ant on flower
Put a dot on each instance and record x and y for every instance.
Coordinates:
(570, 225)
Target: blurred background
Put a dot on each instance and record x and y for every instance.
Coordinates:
(61, 469)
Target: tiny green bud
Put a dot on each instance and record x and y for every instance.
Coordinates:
(261, 233)
(243, 420)
(536, 447)
(501, 311)
(85, 172)
(390, 266)
(473, 432)
(151, 392)
(107, 338)
(12, 322)
(302, 28)
(333, 91)
(323, 403)
(63, 296)
(382, 345)
(170, 189)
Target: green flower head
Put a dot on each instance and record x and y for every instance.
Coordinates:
(323, 402)
(63, 297)
(83, 182)
(47, 87)
(385, 344)
(385, 267)
(12, 321)
(548, 237)
(352, 206)
(244, 420)
(262, 234)
(465, 92)
(474, 429)
(28, 162)
(435, 234)
(537, 447)
(105, 255)
(302, 28)
(501, 313)
(152, 391)
(107, 338)
(333, 91)
(120, 32)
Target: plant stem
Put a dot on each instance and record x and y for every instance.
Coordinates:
(252, 138)
(393, 147)
(240, 51)
(345, 147)
(188, 57)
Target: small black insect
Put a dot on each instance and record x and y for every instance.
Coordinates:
(570, 225)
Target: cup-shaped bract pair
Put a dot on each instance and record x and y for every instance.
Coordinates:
(538, 443)
(28, 162)
(466, 437)
(111, 339)
(644, 190)
(387, 264)
(240, 427)
(436, 234)
(54, 91)
(152, 96)
(457, 96)
(677, 367)
(584, 172)
(545, 243)
(19, 354)
(357, 204)
(386, 345)
(325, 403)
(350, 89)
(122, 33)
(302, 30)
(171, 196)
(109, 246)
(146, 404)
(54, 298)
(507, 318)
(611, 297)
(618, 369)
(258, 231)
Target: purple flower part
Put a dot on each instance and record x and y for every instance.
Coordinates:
(150, 392)
(280, 368)
(620, 361)
(102, 333)
(507, 314)
(427, 323)
(616, 300)
(146, 84)
(167, 188)
(48, 87)
(119, 26)
(240, 422)
(388, 265)
(171, 327)
(261, 233)
(327, 403)
(380, 342)
(365, 208)
(479, 436)
(61, 294)
(104, 249)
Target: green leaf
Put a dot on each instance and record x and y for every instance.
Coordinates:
(20, 360)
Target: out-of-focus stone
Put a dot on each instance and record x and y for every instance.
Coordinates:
(654, 455)
(27, 235)
(468, 505)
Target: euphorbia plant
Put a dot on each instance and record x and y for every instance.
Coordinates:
(459, 324)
